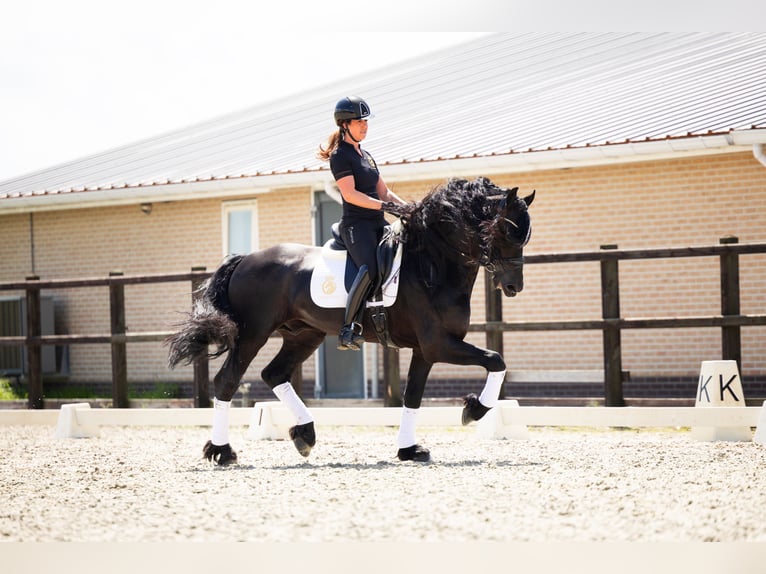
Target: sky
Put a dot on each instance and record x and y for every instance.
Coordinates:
(79, 77)
(75, 83)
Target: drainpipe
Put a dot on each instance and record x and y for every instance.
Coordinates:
(759, 153)
(32, 241)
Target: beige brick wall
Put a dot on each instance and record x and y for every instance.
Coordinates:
(654, 204)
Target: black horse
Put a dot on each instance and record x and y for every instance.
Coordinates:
(449, 235)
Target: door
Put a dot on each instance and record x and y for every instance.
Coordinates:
(341, 373)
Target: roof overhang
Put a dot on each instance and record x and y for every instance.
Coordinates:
(552, 159)
(586, 156)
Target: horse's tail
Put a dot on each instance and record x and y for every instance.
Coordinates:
(210, 322)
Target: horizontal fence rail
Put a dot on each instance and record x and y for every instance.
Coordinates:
(658, 323)
(730, 320)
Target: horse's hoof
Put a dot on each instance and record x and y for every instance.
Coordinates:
(222, 455)
(415, 452)
(473, 410)
(304, 438)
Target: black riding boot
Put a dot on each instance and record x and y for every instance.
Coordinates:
(350, 336)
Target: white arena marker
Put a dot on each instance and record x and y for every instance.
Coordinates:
(68, 425)
(262, 423)
(494, 424)
(720, 386)
(760, 431)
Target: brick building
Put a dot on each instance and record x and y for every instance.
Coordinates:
(638, 140)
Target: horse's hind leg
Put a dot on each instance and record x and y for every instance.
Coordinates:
(413, 395)
(296, 348)
(227, 381)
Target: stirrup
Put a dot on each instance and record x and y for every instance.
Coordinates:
(350, 337)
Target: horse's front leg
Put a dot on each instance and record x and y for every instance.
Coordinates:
(458, 352)
(409, 449)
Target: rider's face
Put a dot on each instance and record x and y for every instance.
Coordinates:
(358, 129)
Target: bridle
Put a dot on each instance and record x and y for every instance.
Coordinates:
(493, 265)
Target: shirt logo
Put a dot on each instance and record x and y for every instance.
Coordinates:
(371, 161)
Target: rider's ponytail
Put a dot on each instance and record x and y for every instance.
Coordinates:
(332, 144)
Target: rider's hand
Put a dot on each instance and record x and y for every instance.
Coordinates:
(396, 208)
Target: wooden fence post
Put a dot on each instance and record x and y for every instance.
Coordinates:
(731, 346)
(493, 303)
(34, 350)
(119, 349)
(201, 383)
(610, 309)
(391, 377)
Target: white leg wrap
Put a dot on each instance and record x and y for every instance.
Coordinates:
(406, 436)
(220, 434)
(491, 391)
(288, 397)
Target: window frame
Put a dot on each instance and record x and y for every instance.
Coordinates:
(227, 207)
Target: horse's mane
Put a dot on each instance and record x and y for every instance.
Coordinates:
(467, 206)
(459, 202)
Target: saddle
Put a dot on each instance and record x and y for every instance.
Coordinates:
(335, 267)
(385, 254)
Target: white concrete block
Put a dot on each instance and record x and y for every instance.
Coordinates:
(498, 423)
(760, 431)
(262, 423)
(69, 425)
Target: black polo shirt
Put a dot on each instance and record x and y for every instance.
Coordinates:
(345, 161)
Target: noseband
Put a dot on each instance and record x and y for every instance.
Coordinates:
(501, 263)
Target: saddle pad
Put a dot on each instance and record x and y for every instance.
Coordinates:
(328, 288)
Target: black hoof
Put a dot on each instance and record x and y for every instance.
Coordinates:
(304, 437)
(415, 452)
(473, 410)
(222, 455)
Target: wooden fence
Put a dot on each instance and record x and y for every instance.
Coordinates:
(118, 337)
(611, 324)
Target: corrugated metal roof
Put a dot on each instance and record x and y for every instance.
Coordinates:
(500, 94)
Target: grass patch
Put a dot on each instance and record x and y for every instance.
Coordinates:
(69, 392)
(9, 392)
(160, 391)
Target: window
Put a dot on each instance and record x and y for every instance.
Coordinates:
(240, 227)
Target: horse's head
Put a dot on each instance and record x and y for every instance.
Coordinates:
(475, 223)
(505, 236)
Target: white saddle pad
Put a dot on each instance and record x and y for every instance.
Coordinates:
(328, 289)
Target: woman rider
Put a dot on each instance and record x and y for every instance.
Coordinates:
(365, 198)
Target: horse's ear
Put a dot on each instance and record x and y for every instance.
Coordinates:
(530, 198)
(512, 193)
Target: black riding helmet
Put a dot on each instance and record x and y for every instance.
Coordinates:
(351, 108)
